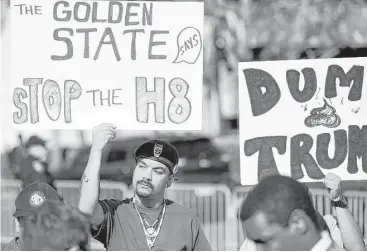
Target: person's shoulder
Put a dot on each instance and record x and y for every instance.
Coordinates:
(12, 245)
(182, 210)
(114, 203)
(248, 245)
(124, 203)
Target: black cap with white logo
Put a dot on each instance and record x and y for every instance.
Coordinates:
(160, 151)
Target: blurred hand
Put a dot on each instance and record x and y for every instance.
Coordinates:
(333, 184)
(102, 134)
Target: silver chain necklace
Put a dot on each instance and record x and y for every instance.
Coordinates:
(151, 233)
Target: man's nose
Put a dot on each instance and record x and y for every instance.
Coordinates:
(148, 174)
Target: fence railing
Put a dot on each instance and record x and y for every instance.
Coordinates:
(215, 205)
(69, 190)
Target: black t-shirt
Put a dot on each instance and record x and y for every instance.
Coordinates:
(117, 225)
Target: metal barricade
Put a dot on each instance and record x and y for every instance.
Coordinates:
(239, 194)
(357, 204)
(69, 190)
(211, 205)
(9, 191)
(215, 205)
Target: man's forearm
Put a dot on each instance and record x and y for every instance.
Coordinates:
(350, 231)
(89, 191)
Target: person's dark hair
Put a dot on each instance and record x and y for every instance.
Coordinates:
(277, 196)
(54, 226)
(35, 141)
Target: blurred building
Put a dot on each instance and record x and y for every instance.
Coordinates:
(251, 30)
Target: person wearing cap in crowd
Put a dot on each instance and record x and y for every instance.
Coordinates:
(341, 226)
(147, 221)
(56, 227)
(278, 214)
(27, 202)
(34, 166)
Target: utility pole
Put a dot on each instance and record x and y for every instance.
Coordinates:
(220, 56)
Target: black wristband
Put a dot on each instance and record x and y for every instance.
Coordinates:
(341, 203)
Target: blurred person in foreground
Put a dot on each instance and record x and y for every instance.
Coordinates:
(147, 221)
(341, 226)
(28, 201)
(34, 165)
(56, 227)
(278, 214)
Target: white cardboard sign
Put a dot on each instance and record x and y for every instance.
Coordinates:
(137, 64)
(303, 119)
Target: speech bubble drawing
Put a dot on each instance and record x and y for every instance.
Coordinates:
(189, 45)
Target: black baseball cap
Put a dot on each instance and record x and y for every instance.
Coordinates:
(160, 151)
(35, 141)
(33, 196)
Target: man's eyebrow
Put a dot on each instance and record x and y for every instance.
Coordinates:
(159, 167)
(141, 161)
(145, 164)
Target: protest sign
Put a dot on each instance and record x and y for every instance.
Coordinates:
(303, 118)
(137, 64)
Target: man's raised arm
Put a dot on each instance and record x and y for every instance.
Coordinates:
(89, 191)
(350, 231)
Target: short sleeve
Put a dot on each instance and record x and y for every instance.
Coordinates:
(334, 229)
(103, 220)
(199, 239)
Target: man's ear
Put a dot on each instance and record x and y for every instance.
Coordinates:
(298, 222)
(170, 180)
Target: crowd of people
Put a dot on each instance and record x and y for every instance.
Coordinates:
(278, 214)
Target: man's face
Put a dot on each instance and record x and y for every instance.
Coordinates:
(269, 235)
(19, 226)
(39, 152)
(150, 178)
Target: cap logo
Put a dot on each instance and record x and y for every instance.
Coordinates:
(158, 148)
(37, 198)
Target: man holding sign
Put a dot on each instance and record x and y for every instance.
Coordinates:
(341, 226)
(147, 221)
(278, 214)
(342, 223)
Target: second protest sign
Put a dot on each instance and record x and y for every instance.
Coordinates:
(303, 118)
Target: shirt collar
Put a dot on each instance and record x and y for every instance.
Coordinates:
(324, 243)
(14, 245)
